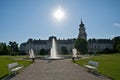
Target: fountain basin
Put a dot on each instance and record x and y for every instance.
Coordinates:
(54, 58)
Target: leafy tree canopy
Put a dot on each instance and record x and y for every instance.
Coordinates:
(64, 50)
(81, 45)
(116, 41)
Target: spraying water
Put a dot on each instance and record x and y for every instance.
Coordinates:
(31, 53)
(53, 52)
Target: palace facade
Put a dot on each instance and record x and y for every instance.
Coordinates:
(38, 45)
(94, 45)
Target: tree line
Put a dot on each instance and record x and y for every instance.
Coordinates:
(10, 49)
(80, 44)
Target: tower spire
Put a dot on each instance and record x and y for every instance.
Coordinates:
(81, 24)
(82, 32)
(81, 21)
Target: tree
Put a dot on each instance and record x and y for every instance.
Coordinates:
(116, 41)
(8, 49)
(64, 50)
(118, 47)
(3, 49)
(81, 45)
(13, 46)
(43, 52)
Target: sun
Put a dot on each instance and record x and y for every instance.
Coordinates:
(59, 14)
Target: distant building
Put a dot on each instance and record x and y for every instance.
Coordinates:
(37, 45)
(98, 45)
(94, 45)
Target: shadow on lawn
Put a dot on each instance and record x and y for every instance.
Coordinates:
(95, 73)
(8, 77)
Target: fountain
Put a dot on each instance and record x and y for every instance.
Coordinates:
(53, 51)
(31, 53)
(74, 50)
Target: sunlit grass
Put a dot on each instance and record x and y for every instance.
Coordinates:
(5, 60)
(109, 65)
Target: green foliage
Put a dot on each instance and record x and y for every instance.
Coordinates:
(13, 46)
(81, 45)
(118, 47)
(116, 41)
(5, 60)
(108, 64)
(3, 49)
(10, 49)
(43, 52)
(64, 50)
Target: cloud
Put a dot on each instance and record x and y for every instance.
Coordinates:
(116, 24)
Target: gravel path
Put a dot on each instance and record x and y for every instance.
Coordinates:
(55, 70)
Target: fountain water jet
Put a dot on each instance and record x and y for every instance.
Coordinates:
(31, 53)
(53, 51)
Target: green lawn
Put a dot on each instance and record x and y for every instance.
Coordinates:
(109, 65)
(5, 60)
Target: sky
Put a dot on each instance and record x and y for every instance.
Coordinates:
(24, 19)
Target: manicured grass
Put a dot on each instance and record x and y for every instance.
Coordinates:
(109, 65)
(5, 60)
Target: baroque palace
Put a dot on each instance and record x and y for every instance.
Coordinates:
(94, 45)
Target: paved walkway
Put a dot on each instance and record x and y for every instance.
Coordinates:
(55, 70)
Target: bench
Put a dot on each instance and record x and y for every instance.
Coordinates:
(14, 67)
(92, 66)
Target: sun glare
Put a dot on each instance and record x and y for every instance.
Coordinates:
(59, 14)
